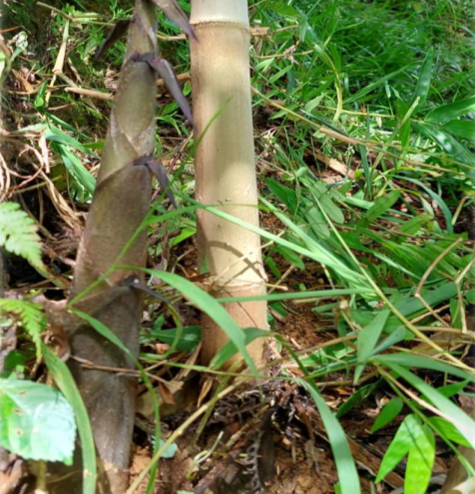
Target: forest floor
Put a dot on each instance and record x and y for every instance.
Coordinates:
(371, 121)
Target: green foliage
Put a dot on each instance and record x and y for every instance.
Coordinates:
(18, 233)
(400, 108)
(30, 315)
(36, 421)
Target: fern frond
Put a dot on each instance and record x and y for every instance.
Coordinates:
(18, 234)
(30, 316)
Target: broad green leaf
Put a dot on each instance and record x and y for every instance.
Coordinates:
(36, 421)
(462, 128)
(390, 411)
(404, 439)
(382, 204)
(345, 464)
(420, 462)
(65, 382)
(170, 452)
(368, 337)
(446, 113)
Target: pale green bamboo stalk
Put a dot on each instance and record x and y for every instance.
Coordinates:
(225, 164)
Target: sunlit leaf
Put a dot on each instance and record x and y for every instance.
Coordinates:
(404, 439)
(420, 463)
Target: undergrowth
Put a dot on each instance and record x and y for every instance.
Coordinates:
(364, 124)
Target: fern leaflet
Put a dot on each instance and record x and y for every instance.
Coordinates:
(18, 233)
(31, 318)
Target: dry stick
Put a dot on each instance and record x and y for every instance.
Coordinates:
(458, 282)
(110, 96)
(437, 260)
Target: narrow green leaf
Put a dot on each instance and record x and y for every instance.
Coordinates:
(284, 194)
(345, 464)
(228, 351)
(418, 361)
(368, 337)
(211, 307)
(390, 411)
(448, 430)
(448, 143)
(382, 204)
(425, 75)
(65, 382)
(412, 226)
(187, 341)
(77, 169)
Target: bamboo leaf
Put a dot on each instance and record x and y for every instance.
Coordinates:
(209, 306)
(382, 204)
(420, 362)
(368, 337)
(446, 113)
(345, 464)
(423, 82)
(448, 143)
(389, 412)
(420, 463)
(405, 437)
(462, 128)
(459, 418)
(448, 430)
